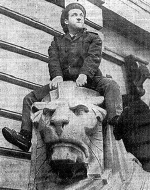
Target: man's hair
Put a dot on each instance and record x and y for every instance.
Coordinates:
(64, 14)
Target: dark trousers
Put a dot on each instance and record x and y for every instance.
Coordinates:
(34, 96)
(105, 86)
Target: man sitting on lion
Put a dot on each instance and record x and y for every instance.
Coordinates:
(75, 56)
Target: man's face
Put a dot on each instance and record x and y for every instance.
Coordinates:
(75, 19)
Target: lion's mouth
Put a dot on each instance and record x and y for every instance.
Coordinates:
(70, 143)
(68, 159)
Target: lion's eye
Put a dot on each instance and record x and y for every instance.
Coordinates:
(80, 109)
(48, 111)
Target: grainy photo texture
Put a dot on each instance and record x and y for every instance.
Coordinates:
(74, 95)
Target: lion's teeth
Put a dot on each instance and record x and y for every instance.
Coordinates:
(64, 153)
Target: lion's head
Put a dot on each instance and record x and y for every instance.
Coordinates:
(70, 132)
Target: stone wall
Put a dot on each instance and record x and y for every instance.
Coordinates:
(28, 29)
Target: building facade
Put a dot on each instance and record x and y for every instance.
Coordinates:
(27, 29)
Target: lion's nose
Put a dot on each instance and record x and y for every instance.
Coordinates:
(59, 121)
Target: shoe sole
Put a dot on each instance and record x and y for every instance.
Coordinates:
(13, 141)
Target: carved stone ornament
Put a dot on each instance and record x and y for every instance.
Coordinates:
(137, 73)
(68, 151)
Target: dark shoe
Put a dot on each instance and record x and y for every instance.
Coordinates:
(17, 139)
(117, 124)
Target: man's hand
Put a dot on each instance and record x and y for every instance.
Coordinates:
(81, 80)
(54, 83)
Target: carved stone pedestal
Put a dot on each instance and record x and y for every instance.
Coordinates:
(70, 150)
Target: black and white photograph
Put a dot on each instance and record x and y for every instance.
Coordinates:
(74, 94)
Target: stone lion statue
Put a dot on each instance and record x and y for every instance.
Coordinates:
(69, 150)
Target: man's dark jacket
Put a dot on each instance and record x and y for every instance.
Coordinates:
(70, 57)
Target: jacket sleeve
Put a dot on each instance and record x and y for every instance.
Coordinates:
(93, 58)
(54, 63)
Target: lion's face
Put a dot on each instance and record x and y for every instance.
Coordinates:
(72, 131)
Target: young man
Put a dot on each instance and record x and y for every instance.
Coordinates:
(76, 56)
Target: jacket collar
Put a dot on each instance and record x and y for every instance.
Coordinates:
(78, 35)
